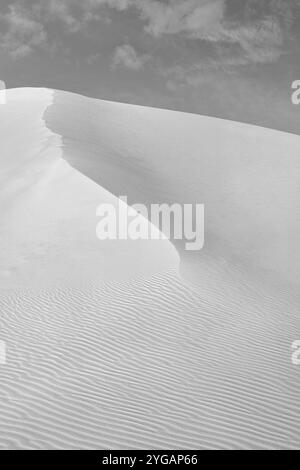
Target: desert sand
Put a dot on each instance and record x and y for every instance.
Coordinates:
(141, 344)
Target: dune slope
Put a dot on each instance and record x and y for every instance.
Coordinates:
(248, 177)
(48, 227)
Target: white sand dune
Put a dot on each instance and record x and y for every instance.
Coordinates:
(141, 344)
(48, 226)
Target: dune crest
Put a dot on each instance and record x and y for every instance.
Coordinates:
(248, 177)
(48, 209)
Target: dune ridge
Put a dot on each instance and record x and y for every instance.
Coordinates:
(247, 176)
(48, 227)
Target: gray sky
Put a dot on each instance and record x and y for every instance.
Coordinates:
(234, 59)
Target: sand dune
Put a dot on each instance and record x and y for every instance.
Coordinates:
(247, 176)
(140, 344)
(48, 209)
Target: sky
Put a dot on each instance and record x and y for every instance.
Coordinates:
(234, 59)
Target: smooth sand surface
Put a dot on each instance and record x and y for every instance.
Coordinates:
(140, 344)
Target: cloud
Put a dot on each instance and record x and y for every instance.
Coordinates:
(120, 5)
(259, 28)
(261, 42)
(21, 33)
(127, 56)
(26, 25)
(240, 33)
(58, 9)
(250, 31)
(190, 17)
(259, 33)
